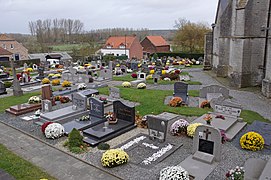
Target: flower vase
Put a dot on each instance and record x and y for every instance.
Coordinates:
(208, 122)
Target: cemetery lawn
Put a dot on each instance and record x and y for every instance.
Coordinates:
(152, 101)
(250, 116)
(150, 81)
(6, 102)
(20, 168)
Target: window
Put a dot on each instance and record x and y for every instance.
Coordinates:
(11, 46)
(4, 46)
(121, 46)
(108, 47)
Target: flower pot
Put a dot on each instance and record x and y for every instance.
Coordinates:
(208, 122)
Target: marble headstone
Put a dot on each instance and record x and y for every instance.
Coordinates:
(46, 105)
(114, 92)
(124, 112)
(79, 101)
(96, 108)
(213, 89)
(157, 128)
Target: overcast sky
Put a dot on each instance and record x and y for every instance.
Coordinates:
(98, 14)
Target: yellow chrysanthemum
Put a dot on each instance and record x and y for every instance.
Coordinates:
(192, 128)
(114, 157)
(252, 141)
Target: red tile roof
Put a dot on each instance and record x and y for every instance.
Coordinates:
(157, 40)
(116, 41)
(4, 37)
(4, 52)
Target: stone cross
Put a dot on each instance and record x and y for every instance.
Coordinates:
(17, 91)
(207, 132)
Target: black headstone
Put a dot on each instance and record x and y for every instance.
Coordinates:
(96, 108)
(124, 112)
(206, 146)
(181, 90)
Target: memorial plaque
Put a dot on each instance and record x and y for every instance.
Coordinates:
(206, 146)
(79, 101)
(96, 108)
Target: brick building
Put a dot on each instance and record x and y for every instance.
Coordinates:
(240, 47)
(5, 55)
(154, 44)
(123, 45)
(17, 49)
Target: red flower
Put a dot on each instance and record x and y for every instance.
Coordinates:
(43, 127)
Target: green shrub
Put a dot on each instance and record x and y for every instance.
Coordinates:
(76, 150)
(7, 84)
(103, 146)
(75, 138)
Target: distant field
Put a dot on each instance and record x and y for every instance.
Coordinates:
(66, 47)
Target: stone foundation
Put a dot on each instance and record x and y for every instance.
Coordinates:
(222, 71)
(266, 88)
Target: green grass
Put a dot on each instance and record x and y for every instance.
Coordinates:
(20, 168)
(250, 116)
(6, 102)
(150, 81)
(152, 101)
(66, 47)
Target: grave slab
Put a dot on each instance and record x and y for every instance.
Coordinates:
(263, 128)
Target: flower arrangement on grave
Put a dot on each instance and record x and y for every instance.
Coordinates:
(164, 71)
(208, 118)
(55, 82)
(192, 128)
(64, 99)
(141, 86)
(75, 142)
(103, 146)
(205, 104)
(37, 113)
(84, 118)
(104, 99)
(54, 131)
(224, 138)
(152, 71)
(166, 79)
(57, 98)
(114, 157)
(174, 172)
(175, 102)
(81, 86)
(129, 70)
(235, 174)
(177, 71)
(126, 84)
(29, 69)
(174, 77)
(187, 65)
(175, 63)
(134, 75)
(57, 76)
(149, 77)
(34, 100)
(111, 118)
(220, 116)
(141, 121)
(45, 81)
(66, 84)
(50, 75)
(252, 141)
(44, 125)
(179, 127)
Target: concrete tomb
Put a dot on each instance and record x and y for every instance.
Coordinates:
(77, 109)
(226, 117)
(257, 169)
(206, 153)
(104, 131)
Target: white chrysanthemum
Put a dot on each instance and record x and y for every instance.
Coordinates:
(141, 86)
(167, 79)
(81, 86)
(174, 172)
(54, 130)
